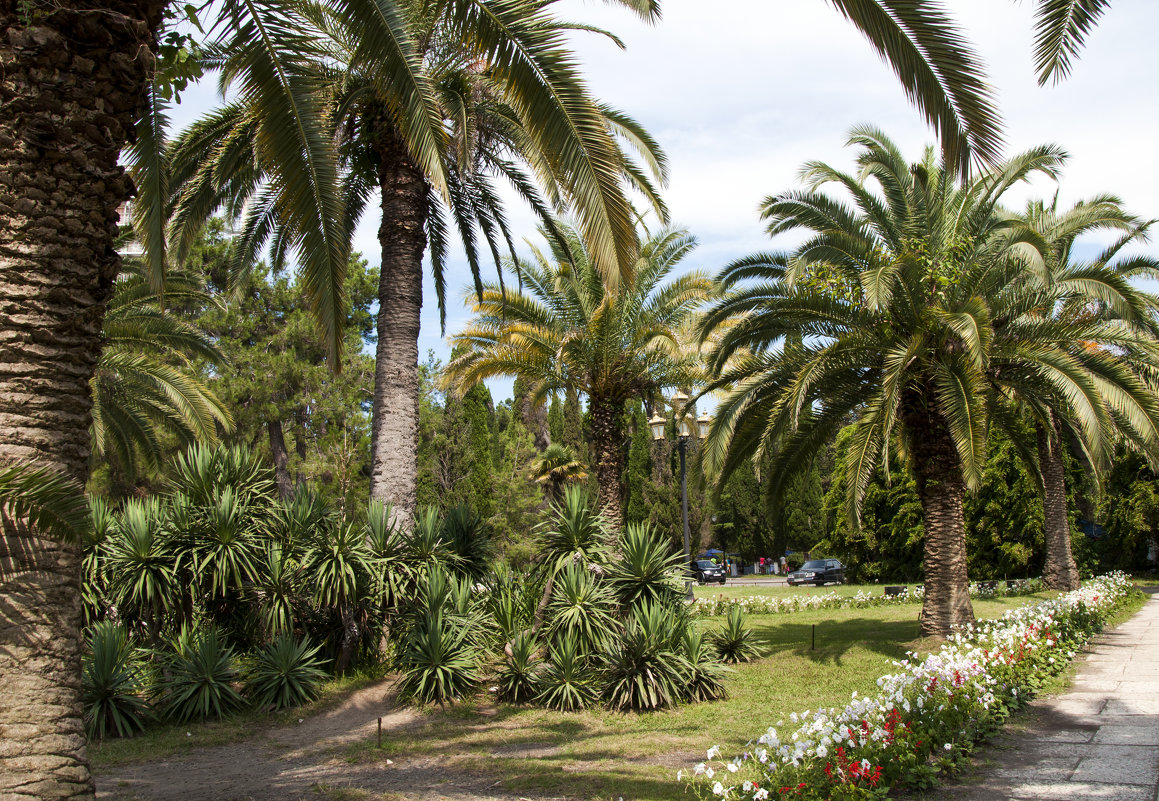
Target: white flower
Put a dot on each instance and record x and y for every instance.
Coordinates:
(709, 773)
(718, 789)
(948, 747)
(732, 767)
(714, 752)
(747, 787)
(761, 794)
(699, 769)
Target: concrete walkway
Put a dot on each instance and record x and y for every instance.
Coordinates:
(1100, 740)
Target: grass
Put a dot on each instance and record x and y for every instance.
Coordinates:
(167, 740)
(779, 590)
(608, 755)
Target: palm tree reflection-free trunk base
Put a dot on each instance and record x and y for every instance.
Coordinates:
(402, 236)
(1059, 571)
(608, 444)
(941, 489)
(72, 83)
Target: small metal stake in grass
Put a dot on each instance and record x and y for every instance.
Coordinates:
(813, 642)
(380, 734)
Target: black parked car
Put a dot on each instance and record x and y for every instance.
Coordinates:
(818, 571)
(706, 570)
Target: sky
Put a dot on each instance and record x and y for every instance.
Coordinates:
(740, 93)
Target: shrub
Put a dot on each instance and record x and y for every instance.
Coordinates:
(705, 673)
(519, 679)
(642, 671)
(198, 677)
(285, 673)
(112, 683)
(566, 684)
(438, 661)
(646, 571)
(734, 643)
(581, 607)
(471, 539)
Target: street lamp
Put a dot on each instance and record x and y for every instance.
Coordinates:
(685, 428)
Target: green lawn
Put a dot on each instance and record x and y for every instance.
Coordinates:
(746, 590)
(636, 756)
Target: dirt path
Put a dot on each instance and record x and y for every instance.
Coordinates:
(300, 762)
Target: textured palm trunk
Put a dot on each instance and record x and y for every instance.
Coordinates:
(608, 444)
(1059, 571)
(402, 236)
(72, 82)
(281, 458)
(941, 490)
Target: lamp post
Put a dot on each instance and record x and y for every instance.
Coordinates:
(684, 430)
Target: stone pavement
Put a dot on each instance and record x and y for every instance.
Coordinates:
(1100, 740)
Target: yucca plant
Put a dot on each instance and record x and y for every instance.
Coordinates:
(470, 539)
(734, 642)
(642, 669)
(386, 543)
(581, 607)
(285, 673)
(201, 471)
(519, 677)
(706, 674)
(198, 677)
(141, 564)
(94, 542)
(567, 683)
(438, 661)
(276, 589)
(511, 602)
(337, 566)
(574, 532)
(646, 570)
(113, 683)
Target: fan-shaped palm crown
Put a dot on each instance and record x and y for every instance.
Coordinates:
(1105, 288)
(910, 312)
(567, 329)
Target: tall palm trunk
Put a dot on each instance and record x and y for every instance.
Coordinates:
(402, 236)
(1059, 571)
(941, 490)
(608, 443)
(72, 82)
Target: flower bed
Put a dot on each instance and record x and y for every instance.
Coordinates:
(772, 604)
(925, 717)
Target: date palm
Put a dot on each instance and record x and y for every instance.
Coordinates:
(62, 144)
(543, 136)
(567, 329)
(146, 382)
(1104, 287)
(908, 311)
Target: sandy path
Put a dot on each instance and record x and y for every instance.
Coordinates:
(287, 763)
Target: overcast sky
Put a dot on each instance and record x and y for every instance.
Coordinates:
(740, 93)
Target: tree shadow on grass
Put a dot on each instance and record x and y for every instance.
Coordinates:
(829, 640)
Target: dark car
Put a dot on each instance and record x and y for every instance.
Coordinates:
(818, 571)
(706, 570)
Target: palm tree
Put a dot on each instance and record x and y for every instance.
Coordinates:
(568, 329)
(910, 313)
(1103, 288)
(146, 382)
(500, 127)
(62, 142)
(556, 468)
(1060, 30)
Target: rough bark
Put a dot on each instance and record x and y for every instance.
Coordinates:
(941, 489)
(281, 458)
(608, 444)
(402, 236)
(72, 82)
(1059, 571)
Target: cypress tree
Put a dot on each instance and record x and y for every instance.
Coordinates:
(639, 470)
(477, 411)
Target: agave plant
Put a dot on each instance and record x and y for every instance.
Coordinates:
(567, 683)
(581, 608)
(646, 570)
(519, 677)
(198, 677)
(705, 672)
(285, 673)
(734, 642)
(113, 682)
(642, 668)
